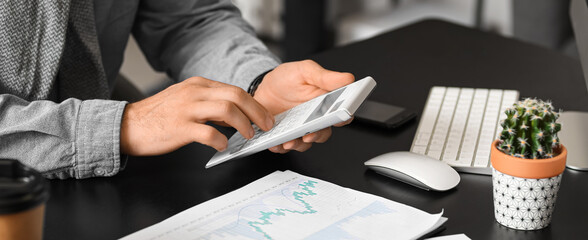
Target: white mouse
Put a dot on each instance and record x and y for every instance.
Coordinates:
(415, 169)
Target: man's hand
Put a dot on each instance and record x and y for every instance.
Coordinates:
(177, 115)
(296, 82)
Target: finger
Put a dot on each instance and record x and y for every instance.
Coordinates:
(204, 82)
(278, 149)
(222, 91)
(223, 111)
(341, 124)
(247, 104)
(209, 136)
(220, 123)
(320, 136)
(297, 145)
(292, 144)
(303, 147)
(326, 79)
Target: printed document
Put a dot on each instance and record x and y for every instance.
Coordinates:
(287, 205)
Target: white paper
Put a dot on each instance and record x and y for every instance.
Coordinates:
(287, 205)
(451, 237)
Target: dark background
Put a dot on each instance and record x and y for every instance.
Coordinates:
(406, 63)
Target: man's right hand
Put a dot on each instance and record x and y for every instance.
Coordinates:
(177, 115)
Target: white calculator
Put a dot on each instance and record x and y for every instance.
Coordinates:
(318, 113)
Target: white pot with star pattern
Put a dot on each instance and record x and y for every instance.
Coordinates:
(525, 190)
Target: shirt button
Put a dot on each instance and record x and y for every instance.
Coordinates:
(99, 171)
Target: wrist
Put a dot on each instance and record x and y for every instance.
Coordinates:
(126, 130)
(255, 83)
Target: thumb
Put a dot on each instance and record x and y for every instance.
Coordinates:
(329, 80)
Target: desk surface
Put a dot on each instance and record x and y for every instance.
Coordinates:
(406, 63)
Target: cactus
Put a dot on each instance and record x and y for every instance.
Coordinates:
(530, 130)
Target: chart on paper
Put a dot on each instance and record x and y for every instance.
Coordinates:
(288, 205)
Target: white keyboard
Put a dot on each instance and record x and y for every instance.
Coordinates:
(458, 126)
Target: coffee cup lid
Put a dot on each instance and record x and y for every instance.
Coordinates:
(21, 187)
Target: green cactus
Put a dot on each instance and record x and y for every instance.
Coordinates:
(530, 130)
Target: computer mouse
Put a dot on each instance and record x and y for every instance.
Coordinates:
(415, 169)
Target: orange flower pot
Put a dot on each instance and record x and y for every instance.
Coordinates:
(528, 168)
(525, 190)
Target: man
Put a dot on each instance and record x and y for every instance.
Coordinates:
(59, 60)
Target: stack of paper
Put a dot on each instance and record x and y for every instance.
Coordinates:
(287, 205)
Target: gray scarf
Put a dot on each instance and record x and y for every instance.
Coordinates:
(49, 50)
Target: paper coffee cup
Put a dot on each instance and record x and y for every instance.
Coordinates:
(23, 193)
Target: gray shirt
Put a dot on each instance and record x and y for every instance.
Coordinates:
(77, 137)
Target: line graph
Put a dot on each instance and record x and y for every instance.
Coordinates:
(298, 196)
(287, 205)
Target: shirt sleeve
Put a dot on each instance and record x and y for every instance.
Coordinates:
(187, 38)
(74, 138)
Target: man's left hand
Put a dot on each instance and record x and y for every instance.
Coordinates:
(293, 83)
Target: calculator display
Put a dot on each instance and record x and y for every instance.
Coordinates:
(325, 105)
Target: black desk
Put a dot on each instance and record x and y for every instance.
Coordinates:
(406, 63)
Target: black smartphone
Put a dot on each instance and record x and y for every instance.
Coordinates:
(382, 114)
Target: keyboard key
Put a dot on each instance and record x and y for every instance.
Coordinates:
(419, 149)
(434, 154)
(465, 162)
(481, 162)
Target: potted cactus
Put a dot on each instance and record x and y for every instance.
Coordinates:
(528, 162)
